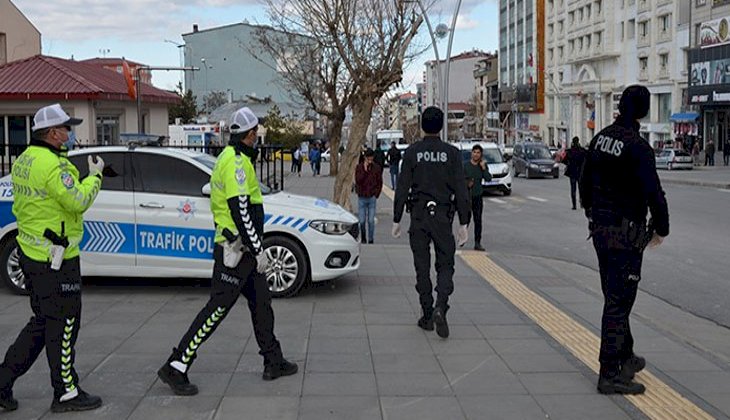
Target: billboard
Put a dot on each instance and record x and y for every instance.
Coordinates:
(715, 32)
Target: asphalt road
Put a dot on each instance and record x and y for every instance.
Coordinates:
(691, 270)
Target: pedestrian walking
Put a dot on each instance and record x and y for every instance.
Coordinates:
(696, 154)
(314, 159)
(710, 153)
(240, 262)
(476, 171)
(368, 185)
(619, 186)
(294, 159)
(394, 158)
(726, 153)
(298, 160)
(573, 161)
(380, 157)
(431, 184)
(49, 203)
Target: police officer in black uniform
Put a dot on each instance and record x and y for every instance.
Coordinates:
(618, 186)
(433, 187)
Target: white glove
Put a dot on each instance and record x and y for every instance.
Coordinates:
(262, 262)
(396, 230)
(655, 241)
(462, 235)
(95, 167)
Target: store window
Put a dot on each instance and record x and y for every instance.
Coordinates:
(107, 130)
(18, 129)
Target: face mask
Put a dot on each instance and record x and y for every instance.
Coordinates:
(71, 140)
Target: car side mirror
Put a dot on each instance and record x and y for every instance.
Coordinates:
(206, 190)
(507, 157)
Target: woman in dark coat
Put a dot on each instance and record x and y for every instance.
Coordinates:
(573, 161)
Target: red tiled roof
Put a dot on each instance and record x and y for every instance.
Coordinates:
(44, 77)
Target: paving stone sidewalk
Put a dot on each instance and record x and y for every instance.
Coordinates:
(360, 354)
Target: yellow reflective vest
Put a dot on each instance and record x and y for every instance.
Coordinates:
(48, 195)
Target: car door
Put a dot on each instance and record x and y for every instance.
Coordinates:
(108, 244)
(173, 218)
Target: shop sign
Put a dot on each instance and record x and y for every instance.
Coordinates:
(715, 32)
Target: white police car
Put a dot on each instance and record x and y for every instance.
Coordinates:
(152, 219)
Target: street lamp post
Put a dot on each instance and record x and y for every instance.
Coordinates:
(440, 32)
(205, 64)
(138, 88)
(180, 53)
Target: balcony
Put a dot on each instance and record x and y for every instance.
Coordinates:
(664, 72)
(643, 40)
(643, 6)
(665, 35)
(643, 75)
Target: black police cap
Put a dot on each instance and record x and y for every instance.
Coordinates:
(432, 120)
(634, 102)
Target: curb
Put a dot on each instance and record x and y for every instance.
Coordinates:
(710, 184)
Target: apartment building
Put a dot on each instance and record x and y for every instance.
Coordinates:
(521, 67)
(486, 96)
(596, 48)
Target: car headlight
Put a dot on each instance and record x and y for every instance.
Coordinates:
(533, 166)
(330, 227)
(555, 165)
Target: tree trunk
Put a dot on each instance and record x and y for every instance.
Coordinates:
(335, 136)
(362, 113)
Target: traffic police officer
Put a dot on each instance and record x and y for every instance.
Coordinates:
(239, 260)
(49, 201)
(432, 185)
(618, 186)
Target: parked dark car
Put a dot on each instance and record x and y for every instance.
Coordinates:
(534, 160)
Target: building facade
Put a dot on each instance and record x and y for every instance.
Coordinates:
(486, 85)
(461, 86)
(229, 67)
(521, 68)
(19, 39)
(709, 70)
(596, 48)
(97, 95)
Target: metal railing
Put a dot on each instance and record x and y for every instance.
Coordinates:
(269, 165)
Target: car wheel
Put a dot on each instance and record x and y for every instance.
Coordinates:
(669, 166)
(507, 192)
(11, 273)
(528, 174)
(556, 175)
(288, 266)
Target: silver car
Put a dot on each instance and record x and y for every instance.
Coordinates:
(670, 159)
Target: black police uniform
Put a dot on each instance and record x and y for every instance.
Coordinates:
(432, 173)
(618, 185)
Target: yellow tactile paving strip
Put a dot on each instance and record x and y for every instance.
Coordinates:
(659, 402)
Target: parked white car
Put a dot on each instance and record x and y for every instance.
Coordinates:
(152, 219)
(673, 159)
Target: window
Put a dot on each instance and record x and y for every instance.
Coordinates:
(623, 32)
(107, 129)
(665, 23)
(560, 27)
(663, 61)
(599, 7)
(116, 175)
(168, 175)
(560, 76)
(643, 63)
(665, 106)
(588, 12)
(17, 134)
(644, 29)
(631, 29)
(599, 38)
(3, 49)
(560, 51)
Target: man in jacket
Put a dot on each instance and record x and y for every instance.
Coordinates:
(619, 185)
(476, 171)
(49, 203)
(368, 184)
(710, 154)
(573, 161)
(432, 182)
(240, 262)
(394, 162)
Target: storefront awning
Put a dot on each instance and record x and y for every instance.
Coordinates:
(681, 117)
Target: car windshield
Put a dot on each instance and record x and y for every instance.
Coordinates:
(209, 162)
(493, 156)
(537, 153)
(681, 153)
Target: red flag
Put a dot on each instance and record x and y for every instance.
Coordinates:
(131, 88)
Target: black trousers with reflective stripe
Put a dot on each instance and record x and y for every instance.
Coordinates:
(620, 275)
(55, 298)
(226, 286)
(424, 230)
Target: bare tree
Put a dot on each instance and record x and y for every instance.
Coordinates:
(373, 39)
(309, 67)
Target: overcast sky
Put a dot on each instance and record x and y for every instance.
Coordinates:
(137, 29)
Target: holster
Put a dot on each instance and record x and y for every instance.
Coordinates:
(233, 249)
(58, 248)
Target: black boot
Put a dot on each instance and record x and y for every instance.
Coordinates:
(178, 381)
(478, 247)
(6, 399)
(619, 385)
(363, 238)
(82, 402)
(426, 320)
(439, 320)
(632, 366)
(279, 369)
